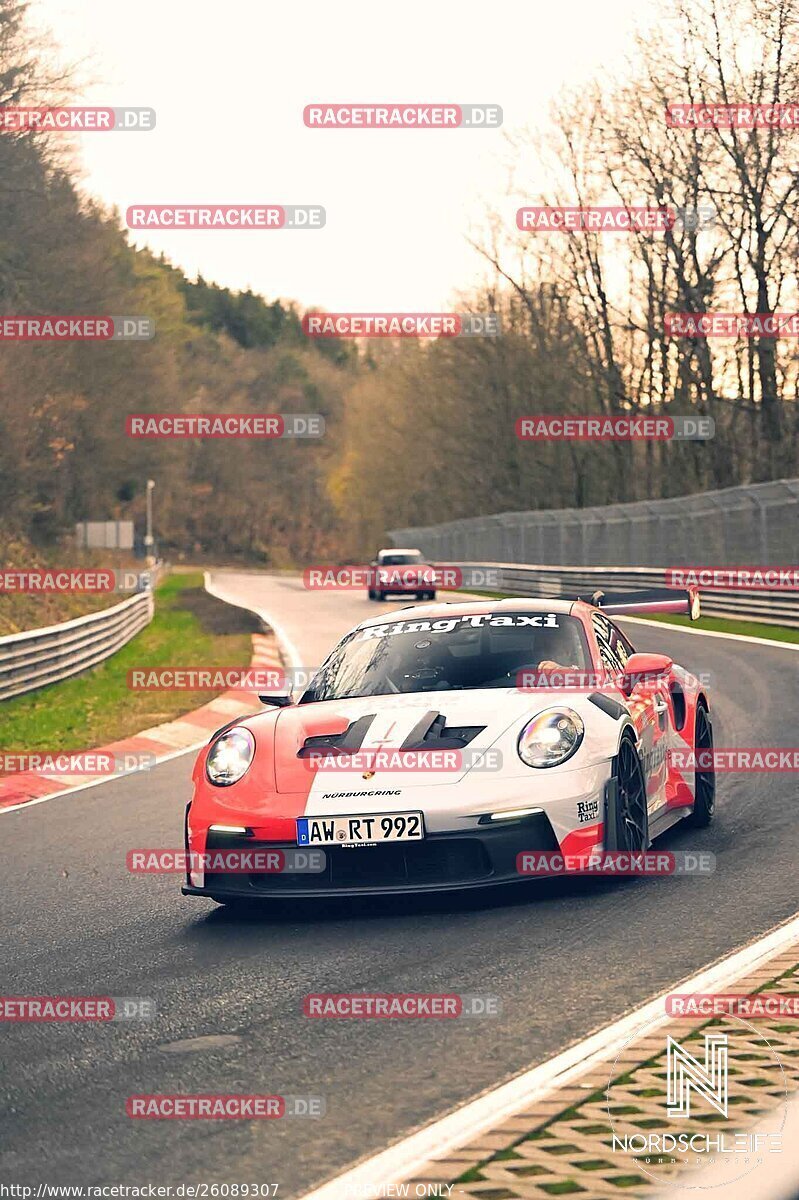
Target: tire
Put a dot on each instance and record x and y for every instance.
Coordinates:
(632, 824)
(705, 780)
(379, 596)
(431, 595)
(372, 594)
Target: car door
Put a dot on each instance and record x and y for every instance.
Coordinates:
(648, 707)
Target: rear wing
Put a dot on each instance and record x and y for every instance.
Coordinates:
(651, 600)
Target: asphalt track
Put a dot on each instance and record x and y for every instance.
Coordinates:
(564, 958)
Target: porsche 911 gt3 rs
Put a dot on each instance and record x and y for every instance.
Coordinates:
(551, 733)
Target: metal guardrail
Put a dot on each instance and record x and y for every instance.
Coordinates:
(37, 657)
(753, 523)
(775, 607)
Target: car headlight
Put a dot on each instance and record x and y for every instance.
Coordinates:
(551, 737)
(230, 756)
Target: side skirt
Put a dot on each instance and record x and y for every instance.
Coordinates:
(666, 819)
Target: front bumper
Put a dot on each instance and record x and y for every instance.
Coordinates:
(480, 856)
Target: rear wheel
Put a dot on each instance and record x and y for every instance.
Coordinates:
(705, 775)
(372, 594)
(632, 825)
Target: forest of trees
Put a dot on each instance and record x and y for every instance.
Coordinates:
(420, 432)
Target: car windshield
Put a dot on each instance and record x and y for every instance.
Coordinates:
(399, 560)
(483, 650)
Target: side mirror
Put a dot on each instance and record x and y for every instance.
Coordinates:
(277, 699)
(645, 666)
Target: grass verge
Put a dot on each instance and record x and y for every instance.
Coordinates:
(774, 633)
(190, 629)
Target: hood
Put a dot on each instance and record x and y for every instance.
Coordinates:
(396, 722)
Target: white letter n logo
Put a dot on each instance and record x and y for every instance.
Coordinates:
(685, 1072)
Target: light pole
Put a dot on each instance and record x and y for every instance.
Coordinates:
(148, 537)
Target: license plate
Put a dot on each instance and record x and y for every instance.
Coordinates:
(360, 831)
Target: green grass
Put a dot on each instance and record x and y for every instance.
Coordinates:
(775, 633)
(190, 629)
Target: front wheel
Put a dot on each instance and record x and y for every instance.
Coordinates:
(704, 776)
(632, 824)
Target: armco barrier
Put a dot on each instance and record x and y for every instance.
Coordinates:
(36, 657)
(775, 607)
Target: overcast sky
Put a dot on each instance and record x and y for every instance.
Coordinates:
(229, 83)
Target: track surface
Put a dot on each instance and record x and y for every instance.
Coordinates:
(564, 958)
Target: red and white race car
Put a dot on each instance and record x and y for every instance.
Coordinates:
(437, 743)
